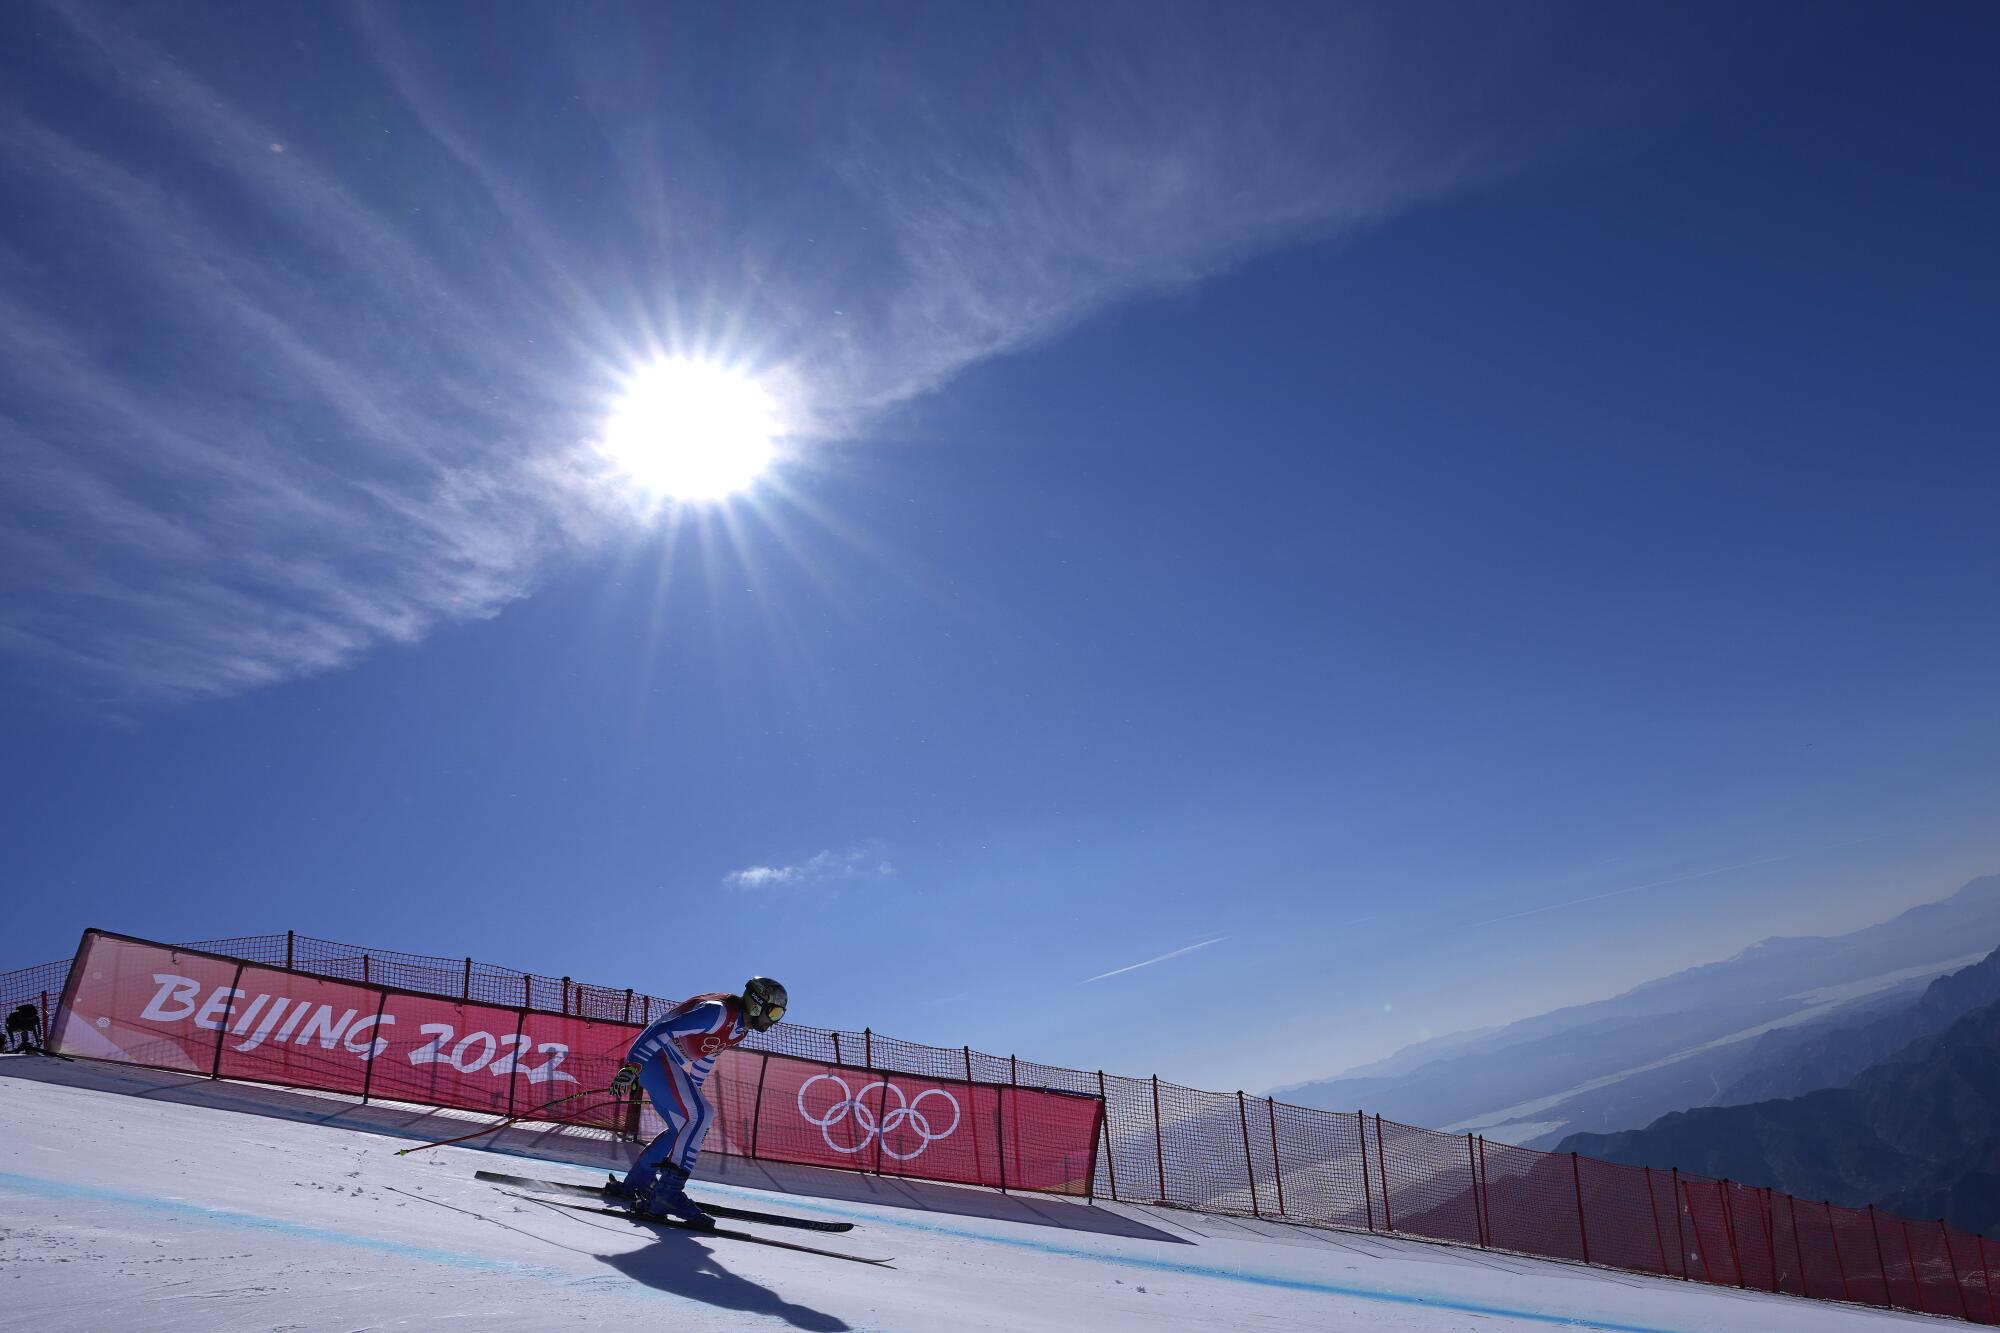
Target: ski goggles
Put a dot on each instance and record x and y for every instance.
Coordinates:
(774, 1012)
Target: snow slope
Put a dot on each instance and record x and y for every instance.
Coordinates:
(131, 1199)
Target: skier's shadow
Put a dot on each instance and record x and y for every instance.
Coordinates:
(682, 1265)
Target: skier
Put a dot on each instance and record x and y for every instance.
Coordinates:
(670, 1060)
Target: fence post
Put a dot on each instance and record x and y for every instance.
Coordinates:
(1881, 1259)
(1659, 1237)
(1110, 1157)
(999, 1132)
(1014, 1071)
(1986, 1270)
(1367, 1190)
(1277, 1167)
(1729, 1227)
(1382, 1160)
(1798, 1246)
(628, 1005)
(565, 997)
(1944, 1232)
(868, 1050)
(465, 991)
(368, 1075)
(836, 1049)
(1771, 1240)
(646, 1010)
(1700, 1244)
(757, 1106)
(966, 1052)
(228, 1013)
(48, 1035)
(1472, 1161)
(1249, 1167)
(1485, 1191)
(514, 1073)
(288, 951)
(364, 969)
(1159, 1140)
(1576, 1178)
(1915, 1281)
(527, 991)
(1839, 1264)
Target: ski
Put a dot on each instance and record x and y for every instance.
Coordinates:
(719, 1210)
(648, 1219)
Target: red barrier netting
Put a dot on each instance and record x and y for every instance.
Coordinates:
(1427, 1182)
(295, 1010)
(1623, 1224)
(196, 1012)
(1531, 1201)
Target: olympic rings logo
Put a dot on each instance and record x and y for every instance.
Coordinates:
(906, 1112)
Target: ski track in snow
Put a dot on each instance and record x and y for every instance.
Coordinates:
(124, 1211)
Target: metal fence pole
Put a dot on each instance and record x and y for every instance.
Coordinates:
(1770, 1239)
(1881, 1259)
(288, 951)
(836, 1049)
(1487, 1193)
(1653, 1209)
(1986, 1270)
(368, 1075)
(1576, 1177)
(1159, 1140)
(228, 1012)
(1680, 1236)
(364, 969)
(1110, 1157)
(48, 1031)
(1277, 1167)
(1472, 1161)
(465, 990)
(1915, 1281)
(1944, 1232)
(1799, 1245)
(1729, 1228)
(1249, 1167)
(868, 1050)
(757, 1106)
(628, 1005)
(1367, 1190)
(1381, 1160)
(1839, 1264)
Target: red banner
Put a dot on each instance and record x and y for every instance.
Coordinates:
(151, 1004)
(786, 1109)
(148, 1004)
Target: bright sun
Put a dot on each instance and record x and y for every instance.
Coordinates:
(692, 430)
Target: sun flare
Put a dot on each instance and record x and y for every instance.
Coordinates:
(692, 430)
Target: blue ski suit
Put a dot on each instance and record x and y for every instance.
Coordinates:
(675, 1055)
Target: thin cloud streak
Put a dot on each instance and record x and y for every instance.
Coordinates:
(1134, 967)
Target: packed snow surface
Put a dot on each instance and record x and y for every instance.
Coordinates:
(133, 1200)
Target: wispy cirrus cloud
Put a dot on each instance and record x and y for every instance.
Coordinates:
(304, 340)
(864, 862)
(1134, 967)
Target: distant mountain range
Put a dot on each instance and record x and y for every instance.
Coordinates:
(1782, 1017)
(1916, 1130)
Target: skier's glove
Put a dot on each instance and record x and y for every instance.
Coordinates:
(625, 1081)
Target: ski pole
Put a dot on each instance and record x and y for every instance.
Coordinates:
(480, 1133)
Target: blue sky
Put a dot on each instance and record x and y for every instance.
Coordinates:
(1407, 516)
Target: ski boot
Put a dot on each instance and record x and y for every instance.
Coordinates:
(668, 1198)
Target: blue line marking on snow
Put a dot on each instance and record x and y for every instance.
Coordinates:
(58, 1191)
(888, 1216)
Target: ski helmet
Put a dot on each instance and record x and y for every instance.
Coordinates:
(764, 1002)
